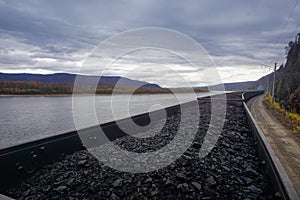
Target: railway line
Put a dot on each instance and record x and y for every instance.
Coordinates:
(240, 165)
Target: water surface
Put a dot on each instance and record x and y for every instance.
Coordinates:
(24, 119)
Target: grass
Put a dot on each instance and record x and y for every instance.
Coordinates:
(290, 119)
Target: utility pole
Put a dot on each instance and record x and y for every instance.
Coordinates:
(274, 78)
(268, 85)
(268, 88)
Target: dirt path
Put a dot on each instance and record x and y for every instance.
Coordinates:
(284, 142)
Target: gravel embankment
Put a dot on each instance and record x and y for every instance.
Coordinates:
(230, 171)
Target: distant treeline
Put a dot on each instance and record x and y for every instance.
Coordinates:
(31, 88)
(37, 88)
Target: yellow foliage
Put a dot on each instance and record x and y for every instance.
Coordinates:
(276, 106)
(291, 119)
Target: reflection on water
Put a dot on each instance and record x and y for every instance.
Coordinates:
(29, 118)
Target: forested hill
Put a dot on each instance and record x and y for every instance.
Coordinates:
(65, 78)
(287, 91)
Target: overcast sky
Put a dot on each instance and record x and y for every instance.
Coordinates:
(56, 36)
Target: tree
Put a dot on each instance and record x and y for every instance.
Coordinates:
(288, 48)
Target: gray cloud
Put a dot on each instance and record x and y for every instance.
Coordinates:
(52, 36)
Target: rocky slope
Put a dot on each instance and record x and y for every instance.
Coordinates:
(287, 79)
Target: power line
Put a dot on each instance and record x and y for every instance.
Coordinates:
(283, 30)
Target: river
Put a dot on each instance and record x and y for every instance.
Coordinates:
(26, 118)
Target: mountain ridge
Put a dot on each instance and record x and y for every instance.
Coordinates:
(68, 78)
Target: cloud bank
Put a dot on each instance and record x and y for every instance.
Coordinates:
(56, 36)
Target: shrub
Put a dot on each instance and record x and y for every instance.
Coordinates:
(289, 118)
